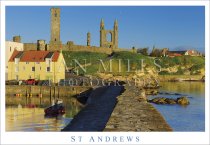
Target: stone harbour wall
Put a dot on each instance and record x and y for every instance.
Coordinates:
(133, 113)
(31, 94)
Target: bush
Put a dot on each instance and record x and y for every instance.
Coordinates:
(164, 73)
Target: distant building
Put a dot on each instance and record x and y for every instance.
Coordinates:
(40, 65)
(174, 53)
(10, 47)
(167, 53)
(193, 53)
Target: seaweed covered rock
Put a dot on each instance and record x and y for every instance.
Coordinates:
(183, 101)
(170, 101)
(158, 100)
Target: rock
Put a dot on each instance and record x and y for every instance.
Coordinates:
(183, 101)
(151, 92)
(158, 100)
(161, 100)
(170, 101)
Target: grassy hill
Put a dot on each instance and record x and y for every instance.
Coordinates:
(69, 56)
(170, 66)
(184, 64)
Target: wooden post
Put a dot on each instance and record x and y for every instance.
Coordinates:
(40, 95)
(54, 93)
(50, 96)
(26, 95)
(58, 92)
(29, 99)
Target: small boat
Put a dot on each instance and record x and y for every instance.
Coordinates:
(56, 109)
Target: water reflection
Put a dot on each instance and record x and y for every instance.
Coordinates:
(21, 118)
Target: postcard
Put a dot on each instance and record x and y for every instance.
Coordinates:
(111, 72)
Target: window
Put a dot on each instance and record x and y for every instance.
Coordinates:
(24, 67)
(37, 62)
(10, 49)
(109, 37)
(27, 62)
(48, 61)
(33, 68)
(48, 69)
(40, 68)
(16, 60)
(16, 69)
(55, 14)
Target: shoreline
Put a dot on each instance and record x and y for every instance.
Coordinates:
(181, 78)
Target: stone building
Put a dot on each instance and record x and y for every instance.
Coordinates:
(11, 46)
(17, 39)
(41, 45)
(55, 42)
(191, 52)
(88, 39)
(106, 46)
(113, 43)
(39, 65)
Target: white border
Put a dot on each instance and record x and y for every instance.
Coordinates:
(65, 137)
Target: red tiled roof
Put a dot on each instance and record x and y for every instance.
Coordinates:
(174, 54)
(13, 55)
(34, 56)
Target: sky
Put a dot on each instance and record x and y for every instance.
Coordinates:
(174, 27)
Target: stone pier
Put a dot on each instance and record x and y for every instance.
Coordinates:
(96, 113)
(134, 113)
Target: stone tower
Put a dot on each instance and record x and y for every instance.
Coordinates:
(102, 31)
(88, 39)
(55, 42)
(17, 39)
(113, 43)
(41, 45)
(115, 34)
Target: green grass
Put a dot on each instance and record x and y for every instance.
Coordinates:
(69, 56)
(124, 56)
(192, 63)
(181, 60)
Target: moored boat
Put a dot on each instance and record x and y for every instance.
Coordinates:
(56, 109)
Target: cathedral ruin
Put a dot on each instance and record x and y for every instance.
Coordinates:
(106, 45)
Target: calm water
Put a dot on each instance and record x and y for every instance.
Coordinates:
(19, 118)
(184, 118)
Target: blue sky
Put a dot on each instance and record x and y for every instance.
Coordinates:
(139, 26)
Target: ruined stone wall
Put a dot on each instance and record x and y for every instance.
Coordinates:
(30, 46)
(69, 47)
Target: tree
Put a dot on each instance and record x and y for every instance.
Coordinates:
(143, 51)
(156, 52)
